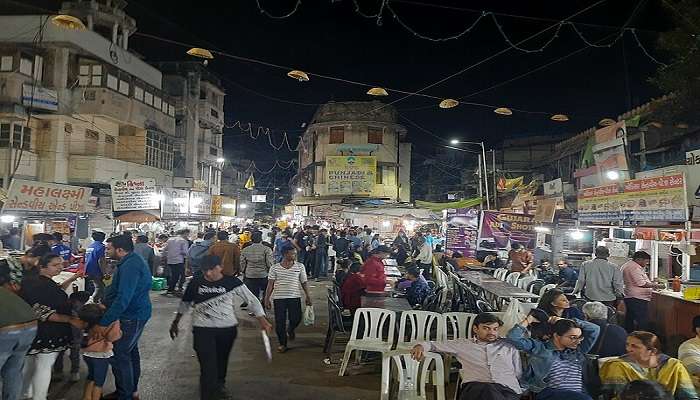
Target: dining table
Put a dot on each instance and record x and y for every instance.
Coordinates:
(496, 287)
(396, 304)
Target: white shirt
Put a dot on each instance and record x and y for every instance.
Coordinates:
(426, 254)
(287, 281)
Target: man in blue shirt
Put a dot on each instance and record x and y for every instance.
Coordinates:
(58, 247)
(419, 289)
(128, 301)
(94, 266)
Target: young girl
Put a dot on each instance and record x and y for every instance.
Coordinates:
(97, 349)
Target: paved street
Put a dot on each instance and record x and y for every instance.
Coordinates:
(170, 369)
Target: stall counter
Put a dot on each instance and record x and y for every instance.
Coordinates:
(671, 318)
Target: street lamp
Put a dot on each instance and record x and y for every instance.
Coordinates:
(299, 190)
(482, 164)
(220, 159)
(613, 175)
(243, 206)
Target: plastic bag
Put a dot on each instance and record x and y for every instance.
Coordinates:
(511, 316)
(309, 315)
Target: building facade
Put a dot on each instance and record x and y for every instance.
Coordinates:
(356, 128)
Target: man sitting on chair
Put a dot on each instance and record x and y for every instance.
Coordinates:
(490, 365)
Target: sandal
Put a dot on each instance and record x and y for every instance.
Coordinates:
(281, 349)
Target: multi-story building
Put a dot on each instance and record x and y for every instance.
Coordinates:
(358, 128)
(199, 120)
(76, 106)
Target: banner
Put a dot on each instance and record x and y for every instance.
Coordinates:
(351, 174)
(499, 229)
(509, 184)
(259, 198)
(200, 205)
(134, 194)
(462, 230)
(32, 196)
(660, 199)
(223, 206)
(444, 206)
(176, 203)
(546, 208)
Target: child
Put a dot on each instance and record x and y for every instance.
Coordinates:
(77, 301)
(352, 289)
(342, 272)
(97, 349)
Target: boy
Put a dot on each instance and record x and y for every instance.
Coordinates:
(77, 300)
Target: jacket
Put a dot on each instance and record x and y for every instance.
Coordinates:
(541, 354)
(102, 342)
(373, 272)
(128, 296)
(611, 341)
(351, 292)
(256, 261)
(230, 255)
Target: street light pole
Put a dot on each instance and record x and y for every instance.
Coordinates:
(483, 176)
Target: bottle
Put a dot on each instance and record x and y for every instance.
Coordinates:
(676, 284)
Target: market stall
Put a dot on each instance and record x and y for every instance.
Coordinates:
(134, 202)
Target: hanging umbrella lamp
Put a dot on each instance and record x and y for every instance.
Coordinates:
(200, 53)
(606, 122)
(68, 22)
(503, 111)
(377, 91)
(301, 76)
(559, 117)
(449, 103)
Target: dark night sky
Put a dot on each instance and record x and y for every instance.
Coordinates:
(331, 38)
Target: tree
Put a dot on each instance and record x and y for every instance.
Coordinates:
(681, 76)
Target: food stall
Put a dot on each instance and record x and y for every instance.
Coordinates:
(134, 202)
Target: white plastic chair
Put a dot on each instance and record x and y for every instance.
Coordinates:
(375, 321)
(525, 280)
(547, 288)
(421, 326)
(500, 273)
(525, 308)
(413, 376)
(458, 325)
(513, 278)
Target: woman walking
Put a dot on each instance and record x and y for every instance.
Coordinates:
(285, 281)
(54, 335)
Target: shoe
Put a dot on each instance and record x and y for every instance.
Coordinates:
(292, 335)
(281, 349)
(224, 394)
(166, 294)
(75, 377)
(111, 396)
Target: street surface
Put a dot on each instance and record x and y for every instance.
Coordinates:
(171, 371)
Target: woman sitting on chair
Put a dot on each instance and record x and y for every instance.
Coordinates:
(555, 303)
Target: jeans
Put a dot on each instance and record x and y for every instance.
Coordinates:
(37, 375)
(321, 264)
(286, 308)
(96, 287)
(486, 391)
(126, 361)
(560, 394)
(14, 345)
(637, 315)
(176, 270)
(97, 370)
(213, 347)
(257, 286)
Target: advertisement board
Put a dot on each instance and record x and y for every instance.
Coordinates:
(134, 194)
(660, 199)
(38, 97)
(462, 230)
(200, 205)
(43, 197)
(176, 203)
(351, 174)
(223, 206)
(499, 229)
(259, 198)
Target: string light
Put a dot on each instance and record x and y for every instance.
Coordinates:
(287, 15)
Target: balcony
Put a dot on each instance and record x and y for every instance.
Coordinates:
(210, 116)
(120, 108)
(96, 169)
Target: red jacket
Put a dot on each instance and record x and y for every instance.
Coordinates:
(373, 271)
(351, 292)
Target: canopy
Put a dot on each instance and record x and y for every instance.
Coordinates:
(443, 206)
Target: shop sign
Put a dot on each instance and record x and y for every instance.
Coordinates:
(660, 199)
(223, 206)
(350, 174)
(134, 194)
(462, 230)
(259, 198)
(498, 230)
(39, 98)
(176, 203)
(553, 188)
(546, 208)
(44, 197)
(200, 204)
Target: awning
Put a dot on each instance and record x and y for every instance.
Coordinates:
(137, 217)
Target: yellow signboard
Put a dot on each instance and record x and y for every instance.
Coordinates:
(223, 206)
(351, 174)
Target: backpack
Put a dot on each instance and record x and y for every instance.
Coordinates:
(197, 252)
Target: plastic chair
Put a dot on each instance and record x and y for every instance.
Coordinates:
(547, 288)
(413, 376)
(336, 324)
(535, 286)
(513, 278)
(524, 281)
(375, 322)
(483, 306)
(419, 326)
(458, 325)
(500, 273)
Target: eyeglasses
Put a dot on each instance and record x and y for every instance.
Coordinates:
(561, 265)
(575, 338)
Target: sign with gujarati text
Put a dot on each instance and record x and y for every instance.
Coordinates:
(134, 194)
(462, 230)
(351, 174)
(176, 203)
(660, 199)
(43, 197)
(223, 206)
(200, 204)
(498, 229)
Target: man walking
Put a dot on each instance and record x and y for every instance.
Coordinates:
(321, 265)
(229, 254)
(95, 265)
(600, 279)
(199, 250)
(214, 323)
(490, 366)
(127, 301)
(175, 255)
(638, 288)
(142, 248)
(256, 261)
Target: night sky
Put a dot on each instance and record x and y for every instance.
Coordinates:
(331, 38)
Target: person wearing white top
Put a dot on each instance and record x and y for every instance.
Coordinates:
(285, 282)
(425, 259)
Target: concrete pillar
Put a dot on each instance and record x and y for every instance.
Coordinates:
(90, 22)
(115, 32)
(125, 39)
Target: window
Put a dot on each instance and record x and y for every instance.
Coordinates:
(148, 98)
(112, 82)
(375, 135)
(138, 93)
(124, 87)
(214, 113)
(337, 135)
(157, 102)
(4, 135)
(110, 146)
(21, 137)
(164, 108)
(92, 135)
(90, 75)
(68, 128)
(159, 150)
(6, 63)
(38, 68)
(25, 66)
(171, 110)
(213, 151)
(202, 94)
(17, 136)
(379, 179)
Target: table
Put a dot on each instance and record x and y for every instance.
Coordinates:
(396, 304)
(495, 286)
(671, 317)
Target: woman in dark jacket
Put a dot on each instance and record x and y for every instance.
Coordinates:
(50, 304)
(612, 339)
(555, 303)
